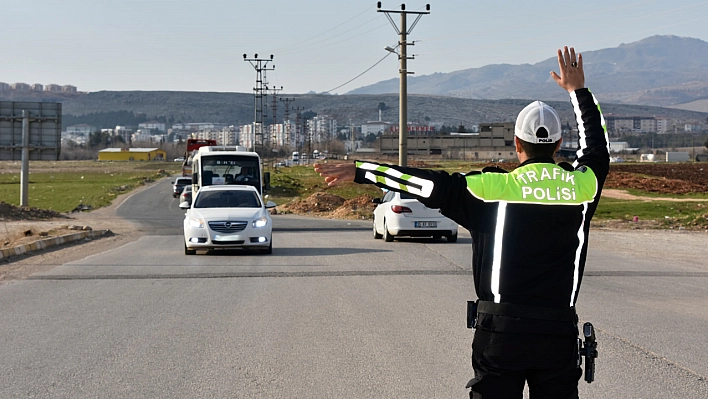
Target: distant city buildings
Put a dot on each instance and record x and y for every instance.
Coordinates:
(227, 135)
(20, 87)
(81, 129)
(649, 124)
(153, 125)
(53, 88)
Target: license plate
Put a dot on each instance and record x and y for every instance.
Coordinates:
(426, 224)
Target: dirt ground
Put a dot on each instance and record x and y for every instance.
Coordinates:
(21, 225)
(660, 178)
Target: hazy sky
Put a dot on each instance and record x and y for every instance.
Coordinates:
(198, 45)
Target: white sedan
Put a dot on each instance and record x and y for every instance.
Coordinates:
(227, 217)
(400, 214)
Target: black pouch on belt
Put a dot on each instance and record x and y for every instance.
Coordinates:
(471, 314)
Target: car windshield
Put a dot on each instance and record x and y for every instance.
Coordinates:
(227, 199)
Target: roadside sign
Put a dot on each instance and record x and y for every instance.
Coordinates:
(42, 121)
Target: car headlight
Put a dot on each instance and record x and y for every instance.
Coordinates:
(198, 223)
(260, 222)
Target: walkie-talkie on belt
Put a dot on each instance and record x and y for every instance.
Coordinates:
(588, 350)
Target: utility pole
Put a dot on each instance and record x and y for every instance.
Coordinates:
(403, 32)
(351, 135)
(286, 118)
(260, 65)
(274, 108)
(297, 126)
(308, 135)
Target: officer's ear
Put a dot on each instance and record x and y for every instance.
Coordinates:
(558, 146)
(517, 143)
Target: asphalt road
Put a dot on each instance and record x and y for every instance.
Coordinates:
(331, 313)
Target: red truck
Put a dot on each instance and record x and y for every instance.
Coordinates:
(192, 146)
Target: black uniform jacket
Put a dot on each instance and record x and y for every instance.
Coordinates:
(529, 227)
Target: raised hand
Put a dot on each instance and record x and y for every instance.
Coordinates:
(572, 76)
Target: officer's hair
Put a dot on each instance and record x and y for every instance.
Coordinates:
(545, 150)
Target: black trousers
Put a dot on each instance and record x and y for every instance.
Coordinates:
(504, 362)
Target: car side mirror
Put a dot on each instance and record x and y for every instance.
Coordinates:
(184, 205)
(376, 201)
(270, 204)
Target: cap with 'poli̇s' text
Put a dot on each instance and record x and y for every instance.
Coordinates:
(538, 123)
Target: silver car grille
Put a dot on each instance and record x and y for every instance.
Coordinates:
(228, 227)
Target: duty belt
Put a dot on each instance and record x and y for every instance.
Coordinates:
(518, 311)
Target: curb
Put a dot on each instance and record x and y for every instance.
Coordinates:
(51, 242)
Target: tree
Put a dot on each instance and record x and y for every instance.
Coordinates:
(461, 129)
(309, 114)
(370, 138)
(98, 139)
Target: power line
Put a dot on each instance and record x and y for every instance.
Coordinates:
(302, 46)
(331, 29)
(359, 75)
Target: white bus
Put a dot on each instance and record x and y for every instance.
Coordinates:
(296, 157)
(215, 165)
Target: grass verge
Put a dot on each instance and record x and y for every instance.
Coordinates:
(63, 186)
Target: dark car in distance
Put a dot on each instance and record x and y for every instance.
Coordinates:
(186, 195)
(178, 185)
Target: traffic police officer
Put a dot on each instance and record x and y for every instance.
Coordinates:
(529, 232)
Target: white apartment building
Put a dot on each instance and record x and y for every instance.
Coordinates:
(374, 127)
(4, 86)
(247, 136)
(81, 129)
(20, 86)
(123, 131)
(278, 136)
(54, 88)
(321, 128)
(152, 125)
(637, 124)
(225, 136)
(144, 137)
(662, 124)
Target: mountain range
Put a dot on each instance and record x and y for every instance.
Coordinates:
(658, 71)
(658, 76)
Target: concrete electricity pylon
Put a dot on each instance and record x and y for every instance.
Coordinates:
(403, 32)
(259, 91)
(298, 115)
(286, 118)
(274, 107)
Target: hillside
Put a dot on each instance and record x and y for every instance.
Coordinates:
(646, 72)
(237, 108)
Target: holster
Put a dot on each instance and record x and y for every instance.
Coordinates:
(471, 314)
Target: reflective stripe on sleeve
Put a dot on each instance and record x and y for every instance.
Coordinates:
(395, 179)
(582, 134)
(578, 252)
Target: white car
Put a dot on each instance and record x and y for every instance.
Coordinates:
(400, 214)
(227, 217)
